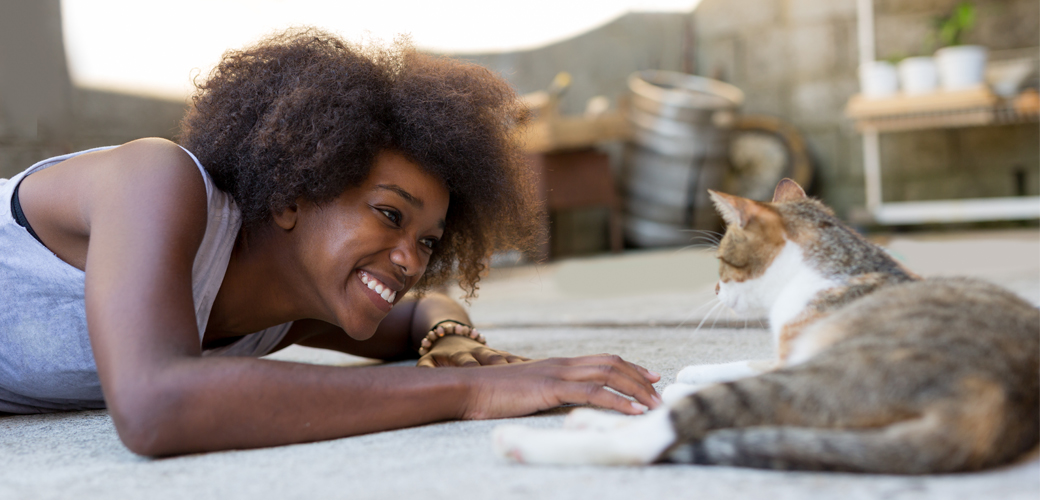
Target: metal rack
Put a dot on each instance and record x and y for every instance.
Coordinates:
(970, 108)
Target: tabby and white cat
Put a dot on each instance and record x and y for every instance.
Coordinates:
(877, 370)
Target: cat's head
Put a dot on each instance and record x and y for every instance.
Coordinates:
(768, 243)
(755, 236)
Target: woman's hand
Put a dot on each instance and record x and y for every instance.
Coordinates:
(518, 389)
(463, 346)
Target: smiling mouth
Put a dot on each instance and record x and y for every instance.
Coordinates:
(377, 286)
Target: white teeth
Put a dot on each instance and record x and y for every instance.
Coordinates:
(384, 291)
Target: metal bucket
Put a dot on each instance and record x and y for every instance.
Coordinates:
(680, 127)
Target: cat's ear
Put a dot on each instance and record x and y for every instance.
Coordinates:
(736, 211)
(788, 190)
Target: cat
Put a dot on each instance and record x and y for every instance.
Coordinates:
(876, 369)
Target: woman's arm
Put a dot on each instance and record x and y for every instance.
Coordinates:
(397, 336)
(146, 221)
(400, 334)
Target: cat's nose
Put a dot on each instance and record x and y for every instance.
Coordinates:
(716, 288)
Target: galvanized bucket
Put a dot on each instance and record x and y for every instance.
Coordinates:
(680, 142)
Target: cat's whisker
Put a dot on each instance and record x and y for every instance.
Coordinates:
(716, 319)
(698, 245)
(706, 316)
(695, 311)
(704, 234)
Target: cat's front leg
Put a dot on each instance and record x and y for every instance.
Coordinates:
(640, 442)
(677, 391)
(723, 372)
(599, 420)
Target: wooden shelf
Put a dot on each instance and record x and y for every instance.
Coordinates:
(966, 108)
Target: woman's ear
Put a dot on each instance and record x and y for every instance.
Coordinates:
(286, 217)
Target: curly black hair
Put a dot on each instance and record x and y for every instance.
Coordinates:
(303, 114)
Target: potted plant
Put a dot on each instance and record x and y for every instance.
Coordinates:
(960, 66)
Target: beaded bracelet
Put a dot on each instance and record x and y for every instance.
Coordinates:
(433, 336)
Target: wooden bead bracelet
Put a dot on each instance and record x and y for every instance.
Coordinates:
(433, 335)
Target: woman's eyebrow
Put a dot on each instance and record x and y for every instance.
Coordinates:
(412, 200)
(415, 202)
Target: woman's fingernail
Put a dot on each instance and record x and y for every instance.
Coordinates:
(656, 399)
(654, 374)
(641, 408)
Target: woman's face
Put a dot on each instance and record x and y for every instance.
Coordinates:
(364, 250)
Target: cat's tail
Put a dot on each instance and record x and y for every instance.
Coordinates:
(917, 446)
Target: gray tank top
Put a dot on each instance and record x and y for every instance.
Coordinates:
(46, 363)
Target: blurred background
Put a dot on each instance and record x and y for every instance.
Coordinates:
(641, 105)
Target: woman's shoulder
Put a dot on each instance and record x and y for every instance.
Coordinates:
(151, 178)
(151, 165)
(153, 154)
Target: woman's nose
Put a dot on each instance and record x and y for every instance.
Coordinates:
(406, 256)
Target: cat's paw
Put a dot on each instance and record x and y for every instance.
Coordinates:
(640, 441)
(595, 420)
(722, 372)
(675, 392)
(507, 441)
(528, 445)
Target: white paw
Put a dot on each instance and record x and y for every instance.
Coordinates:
(640, 441)
(698, 374)
(595, 420)
(507, 441)
(722, 372)
(675, 392)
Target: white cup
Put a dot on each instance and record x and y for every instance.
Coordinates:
(878, 79)
(917, 75)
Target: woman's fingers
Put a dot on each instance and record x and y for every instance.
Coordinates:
(488, 356)
(627, 383)
(636, 372)
(611, 371)
(651, 376)
(596, 394)
(462, 358)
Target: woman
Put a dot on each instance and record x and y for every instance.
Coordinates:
(334, 180)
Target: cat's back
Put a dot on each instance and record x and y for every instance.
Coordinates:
(945, 308)
(941, 329)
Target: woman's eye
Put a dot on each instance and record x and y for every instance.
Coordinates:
(393, 215)
(430, 243)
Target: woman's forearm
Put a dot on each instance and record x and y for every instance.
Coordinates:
(398, 335)
(205, 404)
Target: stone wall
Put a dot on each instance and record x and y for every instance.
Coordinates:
(42, 114)
(797, 59)
(599, 60)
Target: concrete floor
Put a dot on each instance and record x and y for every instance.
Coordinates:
(645, 306)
